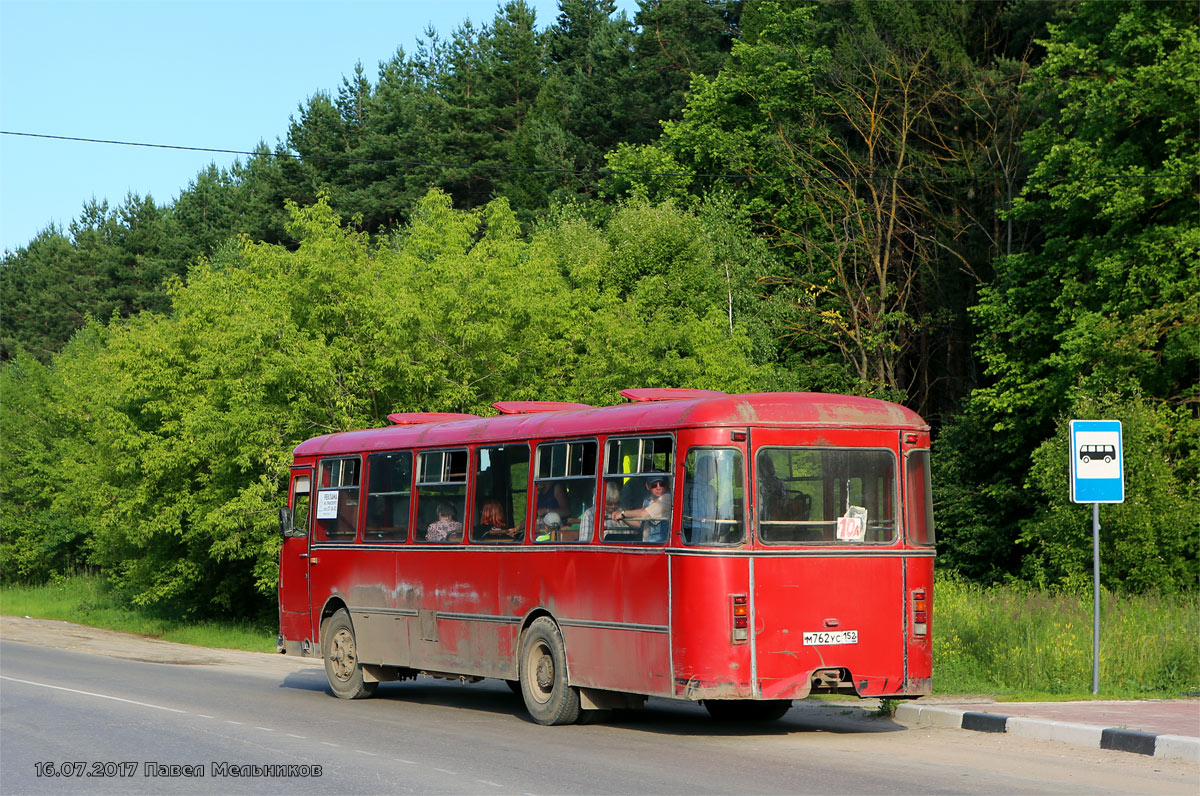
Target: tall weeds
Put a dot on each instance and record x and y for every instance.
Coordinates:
(1015, 640)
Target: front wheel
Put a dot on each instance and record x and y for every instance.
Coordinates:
(548, 697)
(342, 668)
(747, 709)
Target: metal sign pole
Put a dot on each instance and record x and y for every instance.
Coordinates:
(1095, 599)
(1097, 476)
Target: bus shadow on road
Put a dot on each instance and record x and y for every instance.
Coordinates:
(686, 718)
(306, 680)
(664, 716)
(489, 696)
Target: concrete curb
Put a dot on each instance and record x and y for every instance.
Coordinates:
(1118, 739)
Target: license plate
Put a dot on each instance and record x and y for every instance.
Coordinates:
(820, 637)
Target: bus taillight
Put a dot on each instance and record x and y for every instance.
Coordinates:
(741, 617)
(920, 614)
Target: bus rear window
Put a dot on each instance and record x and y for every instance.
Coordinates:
(825, 496)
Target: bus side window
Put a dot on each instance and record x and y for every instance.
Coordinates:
(441, 495)
(389, 496)
(338, 500)
(501, 493)
(565, 491)
(920, 499)
(301, 500)
(713, 497)
(634, 464)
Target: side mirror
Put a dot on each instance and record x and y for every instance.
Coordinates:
(285, 522)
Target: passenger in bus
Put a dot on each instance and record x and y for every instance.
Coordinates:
(550, 528)
(552, 496)
(612, 502)
(493, 524)
(655, 514)
(445, 528)
(772, 493)
(700, 503)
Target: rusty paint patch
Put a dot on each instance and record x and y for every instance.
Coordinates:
(696, 689)
(798, 686)
(919, 685)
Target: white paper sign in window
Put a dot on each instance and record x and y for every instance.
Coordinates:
(327, 505)
(853, 526)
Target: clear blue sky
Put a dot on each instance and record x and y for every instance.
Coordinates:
(202, 73)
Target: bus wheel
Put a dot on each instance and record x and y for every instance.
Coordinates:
(342, 669)
(548, 698)
(747, 709)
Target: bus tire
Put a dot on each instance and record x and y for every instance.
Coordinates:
(747, 709)
(340, 651)
(548, 697)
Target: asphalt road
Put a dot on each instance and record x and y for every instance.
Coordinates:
(249, 723)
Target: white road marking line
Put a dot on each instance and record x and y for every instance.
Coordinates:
(493, 784)
(294, 736)
(327, 743)
(201, 715)
(230, 721)
(90, 693)
(444, 771)
(361, 752)
(264, 729)
(406, 762)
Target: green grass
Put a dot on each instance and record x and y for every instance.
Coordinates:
(1022, 644)
(83, 599)
(1007, 642)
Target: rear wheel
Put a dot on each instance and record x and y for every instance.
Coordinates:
(548, 697)
(747, 709)
(342, 668)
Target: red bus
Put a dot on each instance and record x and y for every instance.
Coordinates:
(740, 550)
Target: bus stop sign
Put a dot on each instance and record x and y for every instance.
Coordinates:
(1097, 462)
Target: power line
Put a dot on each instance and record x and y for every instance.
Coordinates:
(596, 172)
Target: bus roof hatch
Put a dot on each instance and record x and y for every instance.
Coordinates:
(416, 418)
(641, 394)
(529, 407)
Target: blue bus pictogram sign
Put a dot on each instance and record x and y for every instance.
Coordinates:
(1097, 462)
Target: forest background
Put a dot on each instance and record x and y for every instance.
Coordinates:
(985, 211)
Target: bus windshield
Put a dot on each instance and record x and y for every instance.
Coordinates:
(826, 495)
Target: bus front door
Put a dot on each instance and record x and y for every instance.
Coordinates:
(295, 620)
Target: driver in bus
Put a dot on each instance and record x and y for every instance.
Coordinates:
(655, 514)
